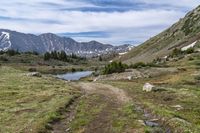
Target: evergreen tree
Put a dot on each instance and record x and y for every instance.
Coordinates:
(114, 67)
(100, 58)
(63, 56)
(47, 56)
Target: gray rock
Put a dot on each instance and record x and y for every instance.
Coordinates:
(178, 107)
(149, 87)
(34, 74)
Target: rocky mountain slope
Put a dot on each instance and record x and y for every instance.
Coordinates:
(183, 33)
(49, 42)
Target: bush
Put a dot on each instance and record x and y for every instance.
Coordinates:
(138, 65)
(189, 51)
(114, 67)
(3, 59)
(32, 69)
(31, 53)
(100, 58)
(191, 58)
(47, 56)
(2, 52)
(176, 52)
(73, 70)
(197, 78)
(12, 52)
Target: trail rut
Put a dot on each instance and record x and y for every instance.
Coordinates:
(112, 96)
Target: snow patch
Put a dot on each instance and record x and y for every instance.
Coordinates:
(189, 46)
(5, 43)
(123, 53)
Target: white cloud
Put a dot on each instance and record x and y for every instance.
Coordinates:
(178, 3)
(76, 21)
(37, 17)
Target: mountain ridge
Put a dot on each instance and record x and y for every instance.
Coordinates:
(182, 33)
(48, 42)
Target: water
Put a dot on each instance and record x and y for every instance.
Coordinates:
(74, 75)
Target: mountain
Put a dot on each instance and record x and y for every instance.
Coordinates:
(183, 33)
(49, 42)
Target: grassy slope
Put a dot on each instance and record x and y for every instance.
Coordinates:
(28, 103)
(182, 88)
(27, 61)
(180, 34)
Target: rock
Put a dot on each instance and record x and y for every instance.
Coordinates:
(34, 74)
(179, 120)
(148, 87)
(67, 130)
(151, 124)
(129, 77)
(95, 80)
(178, 107)
(141, 122)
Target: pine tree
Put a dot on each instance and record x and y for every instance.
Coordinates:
(47, 56)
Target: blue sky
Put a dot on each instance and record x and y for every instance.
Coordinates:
(108, 21)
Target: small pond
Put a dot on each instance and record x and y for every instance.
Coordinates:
(74, 75)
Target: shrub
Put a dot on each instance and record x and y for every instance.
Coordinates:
(197, 78)
(100, 58)
(31, 53)
(32, 69)
(189, 51)
(73, 70)
(176, 52)
(2, 52)
(191, 58)
(47, 56)
(114, 67)
(138, 65)
(3, 59)
(12, 52)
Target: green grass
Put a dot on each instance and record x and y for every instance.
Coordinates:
(160, 103)
(27, 104)
(125, 118)
(181, 89)
(87, 109)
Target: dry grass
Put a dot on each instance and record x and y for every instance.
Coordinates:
(28, 103)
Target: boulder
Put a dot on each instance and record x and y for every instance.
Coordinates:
(129, 77)
(148, 87)
(34, 74)
(178, 107)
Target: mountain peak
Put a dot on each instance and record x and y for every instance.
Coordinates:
(51, 42)
(182, 33)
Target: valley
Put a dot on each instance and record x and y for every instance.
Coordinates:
(54, 84)
(112, 105)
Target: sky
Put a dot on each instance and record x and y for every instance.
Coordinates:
(108, 21)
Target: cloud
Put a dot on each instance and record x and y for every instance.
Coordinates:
(113, 21)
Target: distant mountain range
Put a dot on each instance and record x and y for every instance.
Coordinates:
(183, 34)
(51, 42)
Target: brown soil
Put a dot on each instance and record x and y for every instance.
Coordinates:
(112, 97)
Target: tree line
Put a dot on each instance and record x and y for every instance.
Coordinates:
(62, 56)
(12, 52)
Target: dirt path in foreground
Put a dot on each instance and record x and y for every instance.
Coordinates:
(109, 91)
(113, 97)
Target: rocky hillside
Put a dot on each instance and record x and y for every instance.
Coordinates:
(186, 32)
(49, 42)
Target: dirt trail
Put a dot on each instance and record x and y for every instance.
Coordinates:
(112, 96)
(107, 90)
